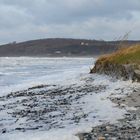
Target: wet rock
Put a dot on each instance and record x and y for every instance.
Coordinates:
(80, 136)
(136, 75)
(37, 87)
(20, 129)
(42, 106)
(3, 131)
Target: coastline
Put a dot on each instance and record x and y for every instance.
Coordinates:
(123, 64)
(77, 102)
(127, 128)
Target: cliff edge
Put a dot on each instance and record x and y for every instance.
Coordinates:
(124, 64)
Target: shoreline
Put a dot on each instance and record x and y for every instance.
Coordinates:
(78, 101)
(81, 106)
(127, 128)
(123, 129)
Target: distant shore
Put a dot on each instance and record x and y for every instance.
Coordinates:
(59, 47)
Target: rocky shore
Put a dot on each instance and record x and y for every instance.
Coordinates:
(45, 107)
(123, 64)
(72, 106)
(127, 128)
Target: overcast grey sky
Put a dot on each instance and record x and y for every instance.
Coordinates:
(22, 20)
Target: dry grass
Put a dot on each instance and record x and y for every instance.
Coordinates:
(123, 56)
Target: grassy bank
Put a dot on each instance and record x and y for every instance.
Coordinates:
(124, 63)
(123, 56)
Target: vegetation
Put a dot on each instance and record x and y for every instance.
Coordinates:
(129, 55)
(62, 47)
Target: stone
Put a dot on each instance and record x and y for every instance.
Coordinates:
(4, 131)
(106, 135)
(101, 138)
(108, 128)
(137, 75)
(80, 136)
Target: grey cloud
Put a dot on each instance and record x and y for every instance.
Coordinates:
(11, 17)
(31, 19)
(69, 10)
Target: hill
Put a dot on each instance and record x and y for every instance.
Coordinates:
(60, 47)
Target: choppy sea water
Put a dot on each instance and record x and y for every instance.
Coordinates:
(17, 73)
(71, 101)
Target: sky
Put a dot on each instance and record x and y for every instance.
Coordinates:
(22, 20)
